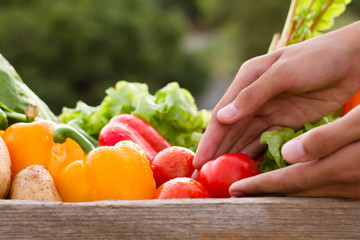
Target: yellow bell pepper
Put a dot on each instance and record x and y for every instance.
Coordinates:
(110, 172)
(32, 143)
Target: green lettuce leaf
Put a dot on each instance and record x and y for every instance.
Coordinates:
(276, 139)
(171, 110)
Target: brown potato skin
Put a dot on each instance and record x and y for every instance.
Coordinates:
(5, 170)
(34, 183)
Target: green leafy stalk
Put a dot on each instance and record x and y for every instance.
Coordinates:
(307, 19)
(289, 24)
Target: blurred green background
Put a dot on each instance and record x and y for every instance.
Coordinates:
(72, 50)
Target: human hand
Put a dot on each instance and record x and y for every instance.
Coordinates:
(287, 88)
(326, 164)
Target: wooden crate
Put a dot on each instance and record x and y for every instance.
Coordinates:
(243, 218)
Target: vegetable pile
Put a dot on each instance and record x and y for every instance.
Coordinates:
(98, 153)
(133, 145)
(171, 111)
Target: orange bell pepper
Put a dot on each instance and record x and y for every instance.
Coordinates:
(108, 172)
(32, 143)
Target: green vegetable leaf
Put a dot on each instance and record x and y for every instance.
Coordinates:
(334, 9)
(269, 163)
(171, 110)
(307, 19)
(15, 95)
(3, 120)
(276, 139)
(314, 17)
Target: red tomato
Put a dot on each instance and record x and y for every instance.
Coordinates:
(172, 162)
(181, 188)
(217, 175)
(353, 102)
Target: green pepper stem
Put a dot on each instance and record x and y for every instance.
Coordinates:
(31, 112)
(19, 117)
(16, 116)
(93, 140)
(62, 132)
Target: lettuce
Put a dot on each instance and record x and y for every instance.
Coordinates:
(276, 139)
(171, 110)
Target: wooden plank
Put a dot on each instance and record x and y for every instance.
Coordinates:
(243, 218)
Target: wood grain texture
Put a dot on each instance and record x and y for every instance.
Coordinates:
(245, 218)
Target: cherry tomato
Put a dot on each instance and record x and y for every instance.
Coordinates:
(172, 162)
(181, 188)
(353, 102)
(218, 174)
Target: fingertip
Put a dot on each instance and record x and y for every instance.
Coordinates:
(227, 114)
(234, 190)
(237, 194)
(195, 174)
(293, 151)
(197, 163)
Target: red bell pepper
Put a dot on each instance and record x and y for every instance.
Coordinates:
(130, 127)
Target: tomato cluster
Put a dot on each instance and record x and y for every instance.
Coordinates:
(172, 168)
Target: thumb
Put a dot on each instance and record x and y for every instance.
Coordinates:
(324, 140)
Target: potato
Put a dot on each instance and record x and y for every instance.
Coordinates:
(34, 183)
(5, 169)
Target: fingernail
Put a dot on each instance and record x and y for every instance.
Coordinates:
(195, 174)
(227, 112)
(293, 151)
(237, 194)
